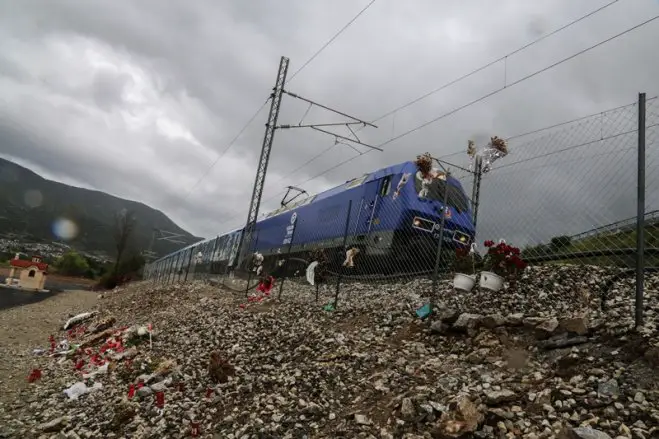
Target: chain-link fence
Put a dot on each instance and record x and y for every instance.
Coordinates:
(566, 194)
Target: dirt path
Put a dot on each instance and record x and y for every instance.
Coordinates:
(27, 327)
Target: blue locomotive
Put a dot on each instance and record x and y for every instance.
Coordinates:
(394, 221)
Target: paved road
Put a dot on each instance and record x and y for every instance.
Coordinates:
(10, 297)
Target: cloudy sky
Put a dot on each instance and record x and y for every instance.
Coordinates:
(139, 98)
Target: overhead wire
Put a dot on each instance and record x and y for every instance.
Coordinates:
(496, 61)
(580, 145)
(228, 147)
(318, 52)
(484, 97)
(519, 81)
(475, 71)
(330, 41)
(492, 93)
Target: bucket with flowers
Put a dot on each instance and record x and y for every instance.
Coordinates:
(501, 262)
(464, 268)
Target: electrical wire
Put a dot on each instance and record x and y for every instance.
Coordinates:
(498, 60)
(492, 93)
(479, 69)
(515, 136)
(318, 52)
(556, 125)
(519, 81)
(231, 143)
(482, 98)
(330, 41)
(590, 142)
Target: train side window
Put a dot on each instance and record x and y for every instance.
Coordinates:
(385, 186)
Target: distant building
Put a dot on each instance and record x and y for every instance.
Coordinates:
(32, 274)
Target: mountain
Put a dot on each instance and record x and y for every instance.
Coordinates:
(30, 205)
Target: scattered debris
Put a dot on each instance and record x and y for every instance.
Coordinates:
(78, 319)
(535, 361)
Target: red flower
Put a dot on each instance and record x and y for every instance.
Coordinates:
(504, 259)
(34, 376)
(518, 262)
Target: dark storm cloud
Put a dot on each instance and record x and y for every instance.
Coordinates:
(138, 99)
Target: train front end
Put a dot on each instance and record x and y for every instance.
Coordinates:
(420, 228)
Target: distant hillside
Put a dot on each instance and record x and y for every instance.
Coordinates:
(29, 205)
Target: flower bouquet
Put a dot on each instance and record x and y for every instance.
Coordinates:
(502, 262)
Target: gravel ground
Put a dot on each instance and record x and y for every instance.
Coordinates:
(541, 361)
(25, 328)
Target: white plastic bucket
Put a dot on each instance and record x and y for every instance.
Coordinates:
(491, 281)
(463, 282)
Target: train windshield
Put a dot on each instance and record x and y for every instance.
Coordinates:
(435, 191)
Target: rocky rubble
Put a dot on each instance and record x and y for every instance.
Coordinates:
(539, 362)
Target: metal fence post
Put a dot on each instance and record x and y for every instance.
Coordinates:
(476, 190)
(169, 271)
(288, 256)
(435, 273)
(187, 269)
(640, 213)
(345, 241)
(177, 270)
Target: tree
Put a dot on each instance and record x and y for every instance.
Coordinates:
(124, 226)
(131, 264)
(72, 263)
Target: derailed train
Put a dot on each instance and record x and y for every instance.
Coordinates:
(394, 221)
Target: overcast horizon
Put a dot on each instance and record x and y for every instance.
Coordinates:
(138, 100)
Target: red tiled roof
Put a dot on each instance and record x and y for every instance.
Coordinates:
(27, 264)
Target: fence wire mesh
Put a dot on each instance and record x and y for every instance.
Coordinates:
(568, 191)
(566, 194)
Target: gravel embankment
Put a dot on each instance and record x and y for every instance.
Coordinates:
(540, 362)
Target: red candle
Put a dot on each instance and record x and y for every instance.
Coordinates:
(160, 399)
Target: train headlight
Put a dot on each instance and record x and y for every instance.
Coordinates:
(460, 237)
(423, 224)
